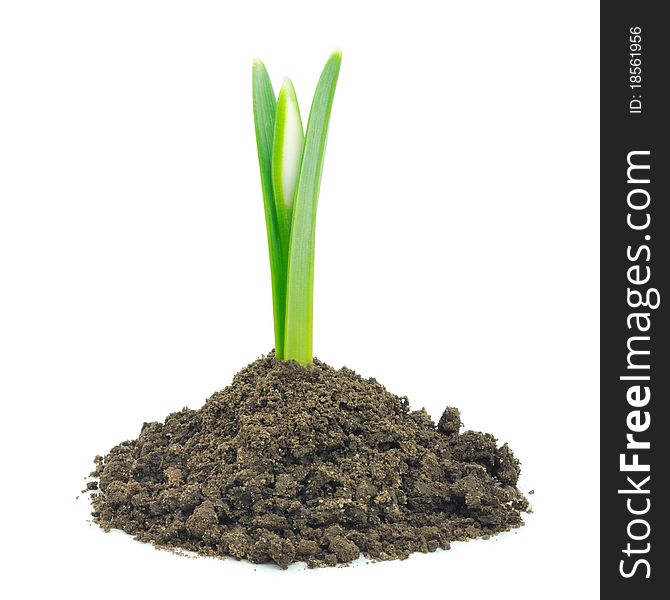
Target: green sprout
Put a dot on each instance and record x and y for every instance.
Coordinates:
(291, 165)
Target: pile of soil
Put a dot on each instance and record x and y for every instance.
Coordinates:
(307, 463)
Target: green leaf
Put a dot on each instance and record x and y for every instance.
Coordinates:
(286, 155)
(300, 277)
(265, 107)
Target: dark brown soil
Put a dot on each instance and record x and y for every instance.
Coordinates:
(307, 463)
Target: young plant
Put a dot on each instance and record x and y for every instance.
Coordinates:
(290, 166)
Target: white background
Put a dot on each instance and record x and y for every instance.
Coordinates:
(457, 250)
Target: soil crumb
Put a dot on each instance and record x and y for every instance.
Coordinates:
(307, 463)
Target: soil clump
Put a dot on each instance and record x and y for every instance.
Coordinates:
(307, 463)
